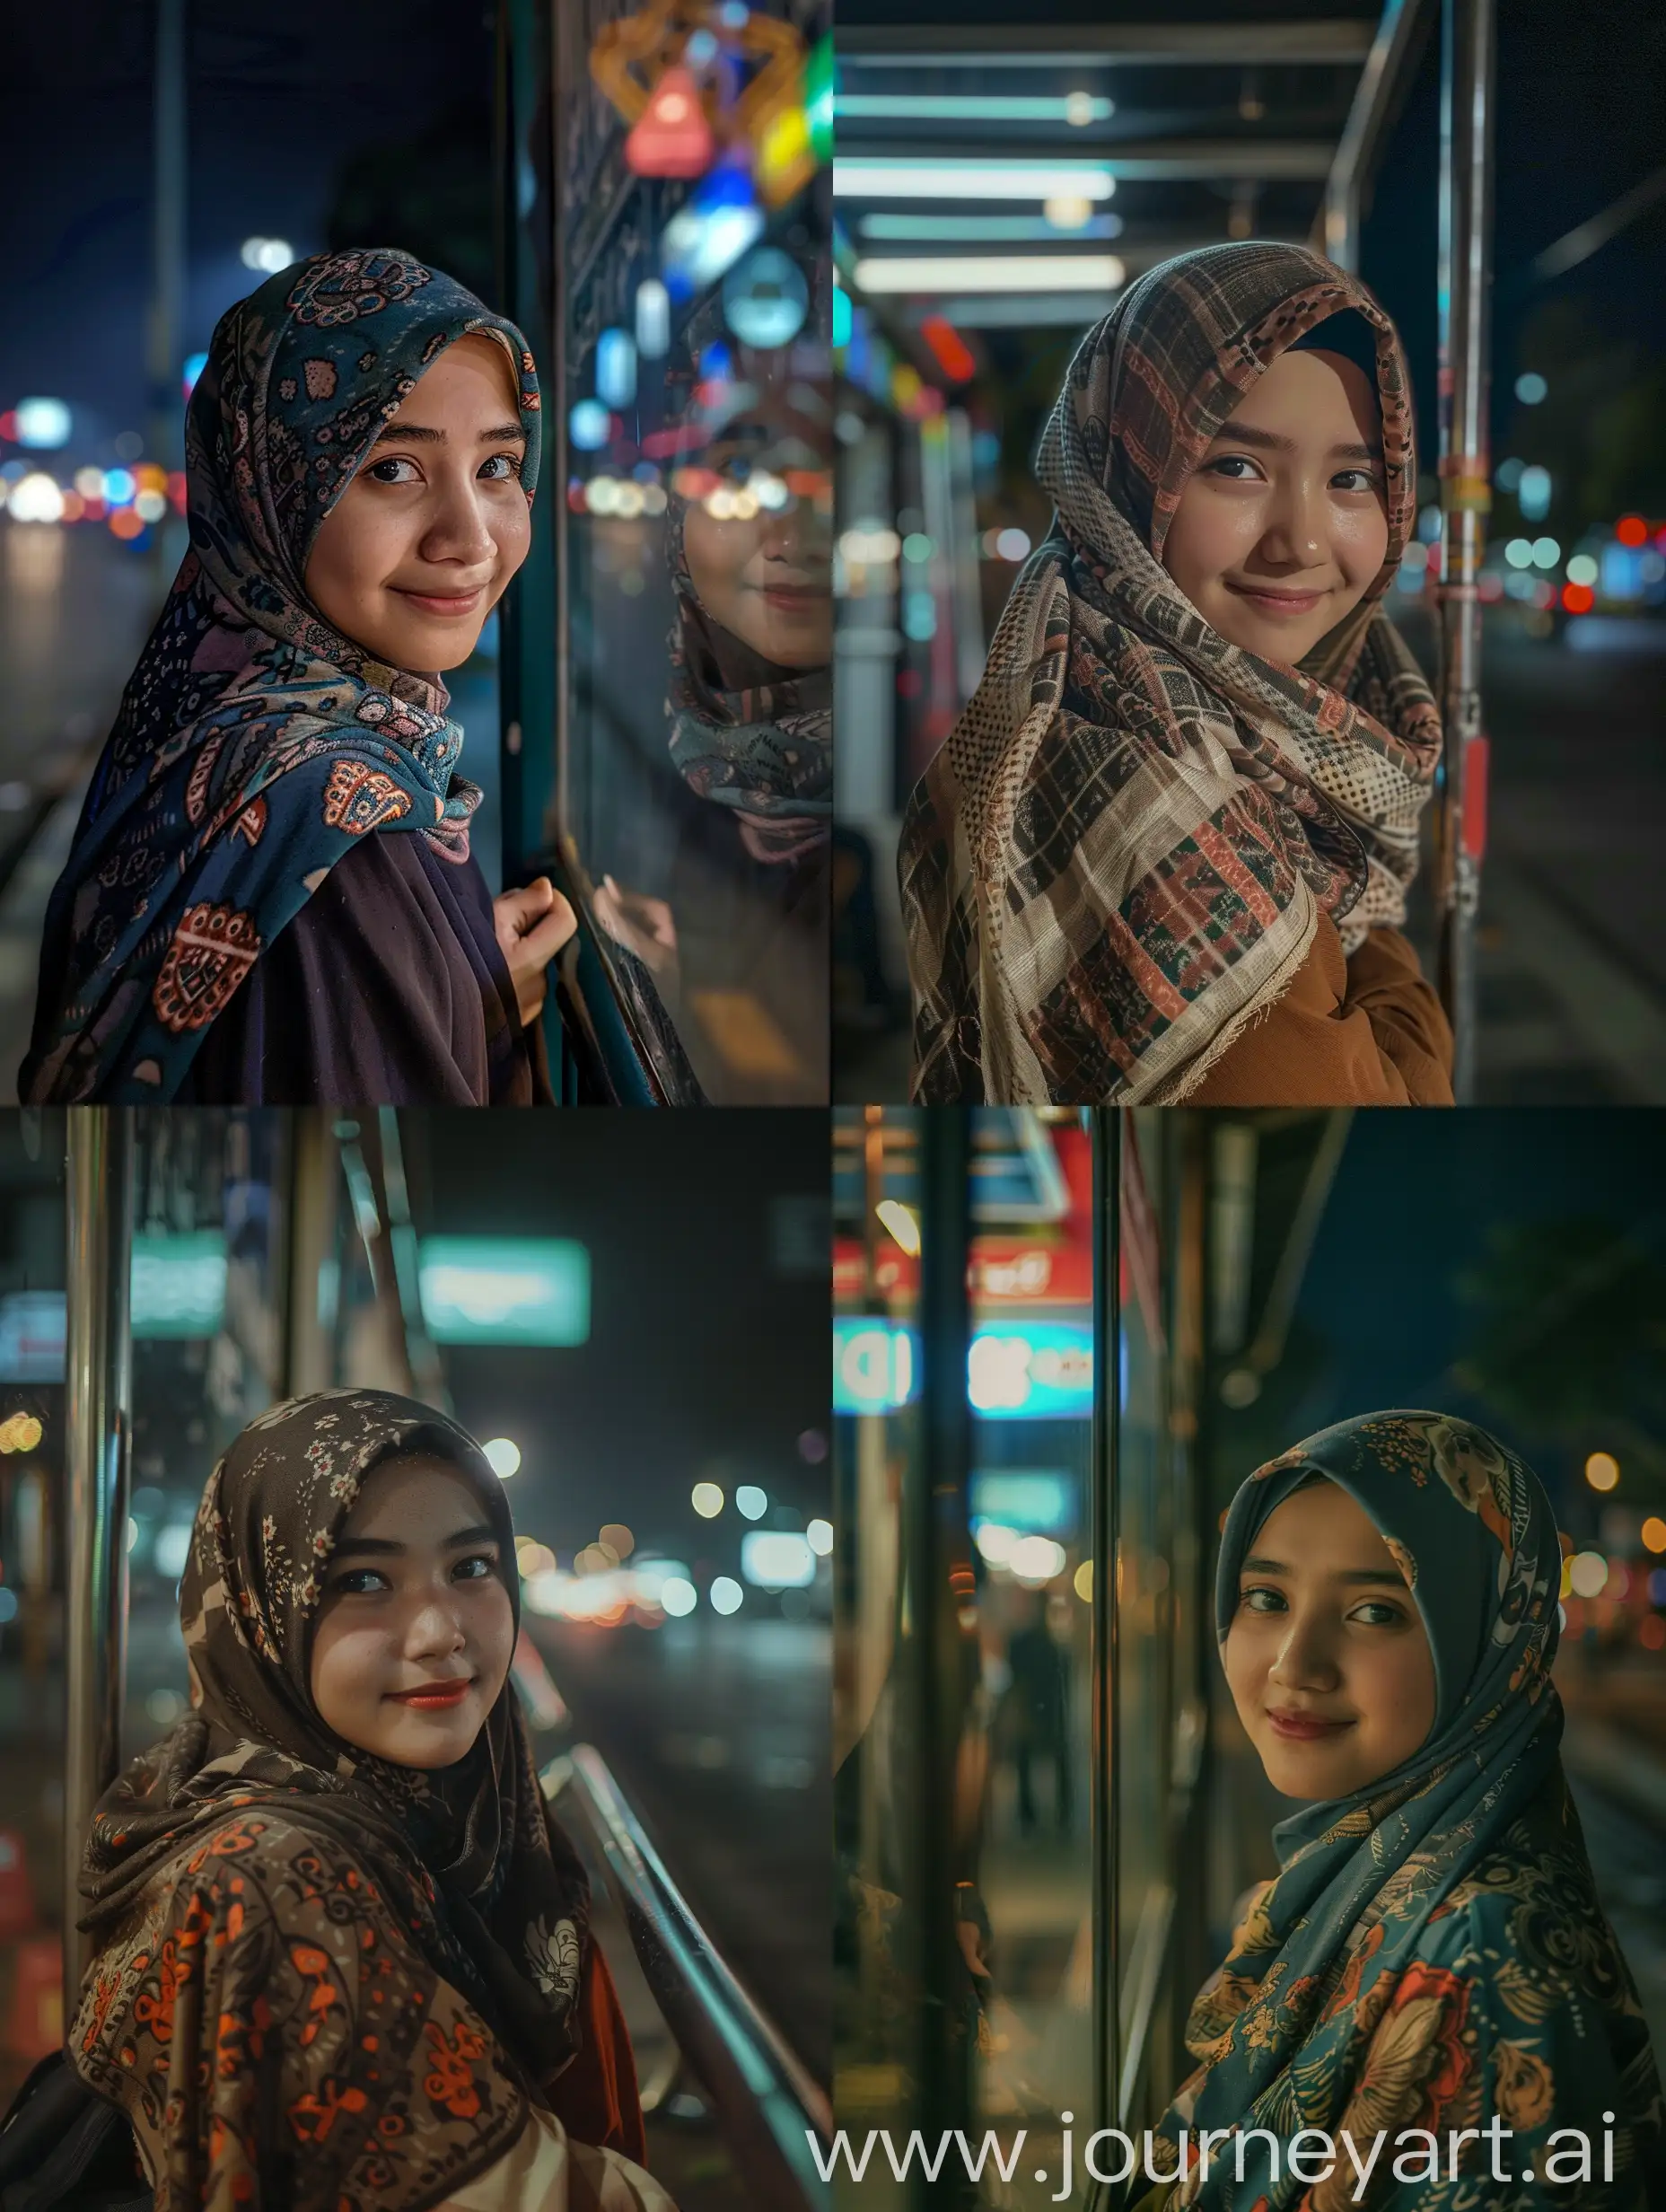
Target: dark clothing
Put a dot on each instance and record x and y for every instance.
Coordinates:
(388, 988)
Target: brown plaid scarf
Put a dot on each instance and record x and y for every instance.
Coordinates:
(1119, 856)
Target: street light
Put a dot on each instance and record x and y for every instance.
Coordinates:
(503, 1456)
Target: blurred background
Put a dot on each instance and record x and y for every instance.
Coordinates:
(1061, 1341)
(1003, 170)
(633, 1323)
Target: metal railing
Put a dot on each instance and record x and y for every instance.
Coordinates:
(766, 2105)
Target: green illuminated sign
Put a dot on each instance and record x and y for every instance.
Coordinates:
(505, 1290)
(177, 1283)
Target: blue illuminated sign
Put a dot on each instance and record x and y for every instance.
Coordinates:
(1018, 1371)
(504, 1290)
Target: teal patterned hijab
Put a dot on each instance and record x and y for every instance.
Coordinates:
(1431, 1951)
(255, 744)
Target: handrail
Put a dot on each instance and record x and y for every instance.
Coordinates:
(768, 2105)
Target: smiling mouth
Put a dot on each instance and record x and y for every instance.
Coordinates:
(434, 1695)
(444, 602)
(1306, 1727)
(1277, 603)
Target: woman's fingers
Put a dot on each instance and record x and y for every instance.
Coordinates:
(546, 937)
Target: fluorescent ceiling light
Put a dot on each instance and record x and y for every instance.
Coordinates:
(931, 179)
(990, 272)
(1076, 109)
(1021, 310)
(982, 230)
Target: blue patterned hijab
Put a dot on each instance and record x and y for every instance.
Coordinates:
(255, 744)
(1431, 1952)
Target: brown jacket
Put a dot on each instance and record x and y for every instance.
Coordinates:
(1365, 1031)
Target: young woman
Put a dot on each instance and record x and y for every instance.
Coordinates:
(270, 898)
(1432, 1957)
(343, 1954)
(1164, 853)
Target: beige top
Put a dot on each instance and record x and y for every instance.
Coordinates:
(544, 2172)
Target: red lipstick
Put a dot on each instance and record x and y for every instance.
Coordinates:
(435, 1696)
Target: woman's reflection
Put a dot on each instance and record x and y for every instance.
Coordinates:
(738, 947)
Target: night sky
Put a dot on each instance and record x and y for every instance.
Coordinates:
(1410, 1213)
(277, 105)
(708, 1341)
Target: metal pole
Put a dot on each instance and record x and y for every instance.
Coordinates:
(937, 1598)
(1467, 67)
(1106, 1738)
(1382, 87)
(97, 1428)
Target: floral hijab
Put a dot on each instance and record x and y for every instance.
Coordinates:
(381, 1963)
(1431, 1951)
(1118, 858)
(255, 744)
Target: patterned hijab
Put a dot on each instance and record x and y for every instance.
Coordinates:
(466, 1858)
(1118, 858)
(255, 744)
(748, 734)
(1432, 1950)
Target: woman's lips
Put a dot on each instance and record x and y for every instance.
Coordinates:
(434, 1694)
(464, 603)
(1278, 602)
(794, 598)
(1306, 1727)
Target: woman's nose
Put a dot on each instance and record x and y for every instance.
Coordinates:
(457, 531)
(436, 1627)
(1305, 1660)
(1295, 529)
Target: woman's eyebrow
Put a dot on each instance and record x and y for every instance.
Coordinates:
(424, 433)
(1246, 434)
(1355, 1573)
(384, 1547)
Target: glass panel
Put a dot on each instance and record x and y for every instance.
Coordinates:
(209, 1310)
(1005, 1661)
(695, 778)
(1144, 1567)
(32, 1591)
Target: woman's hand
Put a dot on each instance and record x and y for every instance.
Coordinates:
(532, 926)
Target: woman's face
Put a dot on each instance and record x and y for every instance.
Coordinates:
(1284, 524)
(421, 545)
(768, 580)
(1327, 1657)
(413, 1600)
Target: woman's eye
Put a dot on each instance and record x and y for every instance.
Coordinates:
(1379, 1616)
(1354, 480)
(1262, 1600)
(481, 1560)
(511, 464)
(379, 470)
(1234, 460)
(354, 1581)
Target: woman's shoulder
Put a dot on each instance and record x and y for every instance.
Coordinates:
(267, 1863)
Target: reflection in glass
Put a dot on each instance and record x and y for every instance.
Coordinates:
(694, 791)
